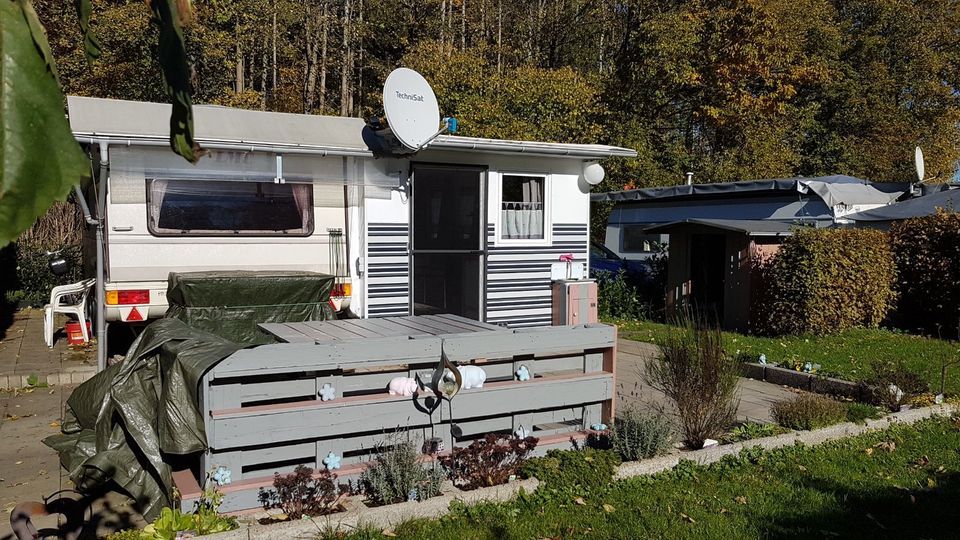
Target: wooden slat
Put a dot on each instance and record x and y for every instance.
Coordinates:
(457, 325)
(477, 324)
(335, 332)
(293, 357)
(356, 325)
(284, 332)
(389, 327)
(415, 324)
(289, 421)
(535, 341)
(442, 326)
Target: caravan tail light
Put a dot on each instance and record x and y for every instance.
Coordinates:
(342, 290)
(126, 298)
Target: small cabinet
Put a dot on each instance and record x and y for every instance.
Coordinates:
(574, 302)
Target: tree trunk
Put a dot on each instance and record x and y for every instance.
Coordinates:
(359, 68)
(499, 35)
(263, 78)
(273, 87)
(310, 57)
(323, 56)
(239, 85)
(463, 25)
(345, 67)
(443, 22)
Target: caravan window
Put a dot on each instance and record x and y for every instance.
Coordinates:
(635, 240)
(522, 207)
(224, 208)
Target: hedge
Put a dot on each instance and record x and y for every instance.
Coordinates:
(826, 280)
(927, 253)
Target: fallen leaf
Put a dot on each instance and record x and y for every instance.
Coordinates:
(801, 467)
(868, 451)
(42, 472)
(931, 483)
(18, 463)
(608, 508)
(580, 501)
(922, 460)
(741, 499)
(723, 510)
(54, 424)
(889, 446)
(11, 417)
(688, 518)
(388, 532)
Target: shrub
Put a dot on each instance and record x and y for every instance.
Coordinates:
(617, 298)
(300, 494)
(928, 266)
(893, 384)
(60, 228)
(636, 435)
(580, 470)
(752, 430)
(808, 411)
(825, 280)
(489, 461)
(396, 475)
(694, 372)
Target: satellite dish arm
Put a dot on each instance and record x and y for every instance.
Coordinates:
(449, 125)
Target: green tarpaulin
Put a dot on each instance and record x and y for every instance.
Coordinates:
(231, 304)
(128, 421)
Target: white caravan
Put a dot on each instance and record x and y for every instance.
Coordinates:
(466, 226)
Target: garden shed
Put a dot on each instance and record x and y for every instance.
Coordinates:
(712, 264)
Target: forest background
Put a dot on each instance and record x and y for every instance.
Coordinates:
(728, 89)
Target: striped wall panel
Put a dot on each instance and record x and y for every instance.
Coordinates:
(518, 290)
(388, 269)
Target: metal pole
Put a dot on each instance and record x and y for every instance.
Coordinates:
(101, 285)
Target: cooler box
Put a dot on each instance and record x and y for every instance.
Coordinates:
(574, 301)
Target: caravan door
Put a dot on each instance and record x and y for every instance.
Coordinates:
(447, 240)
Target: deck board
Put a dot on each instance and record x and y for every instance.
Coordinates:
(380, 327)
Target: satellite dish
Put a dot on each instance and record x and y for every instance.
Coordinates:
(411, 108)
(918, 161)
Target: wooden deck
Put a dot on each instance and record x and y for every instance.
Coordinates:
(265, 411)
(349, 329)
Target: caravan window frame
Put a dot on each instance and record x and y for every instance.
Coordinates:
(500, 226)
(153, 221)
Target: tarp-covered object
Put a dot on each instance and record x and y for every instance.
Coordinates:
(119, 425)
(231, 304)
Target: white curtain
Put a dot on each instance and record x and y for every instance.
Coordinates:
(524, 219)
(158, 189)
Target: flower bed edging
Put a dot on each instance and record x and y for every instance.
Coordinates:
(358, 514)
(706, 456)
(802, 380)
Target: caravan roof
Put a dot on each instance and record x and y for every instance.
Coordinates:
(225, 127)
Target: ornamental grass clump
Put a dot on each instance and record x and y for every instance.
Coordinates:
(638, 435)
(694, 372)
(396, 475)
(808, 411)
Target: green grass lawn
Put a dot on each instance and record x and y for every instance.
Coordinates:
(898, 483)
(847, 354)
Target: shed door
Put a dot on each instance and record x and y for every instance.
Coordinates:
(448, 241)
(707, 257)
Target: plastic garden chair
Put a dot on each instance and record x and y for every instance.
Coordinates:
(59, 297)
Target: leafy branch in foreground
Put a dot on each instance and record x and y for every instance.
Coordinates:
(39, 159)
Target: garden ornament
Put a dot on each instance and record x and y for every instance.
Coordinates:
(412, 495)
(433, 445)
(710, 442)
(938, 399)
(472, 376)
(568, 258)
(520, 432)
(599, 427)
(763, 359)
(332, 461)
(327, 392)
(895, 392)
(73, 510)
(447, 380)
(523, 374)
(221, 475)
(403, 386)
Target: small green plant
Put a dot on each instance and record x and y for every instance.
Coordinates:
(396, 475)
(808, 411)
(617, 298)
(861, 412)
(752, 430)
(489, 461)
(299, 494)
(637, 435)
(582, 470)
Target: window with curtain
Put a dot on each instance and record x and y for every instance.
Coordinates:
(220, 208)
(522, 207)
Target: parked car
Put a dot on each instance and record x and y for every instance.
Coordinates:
(604, 260)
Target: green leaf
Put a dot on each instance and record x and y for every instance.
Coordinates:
(91, 44)
(176, 77)
(39, 159)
